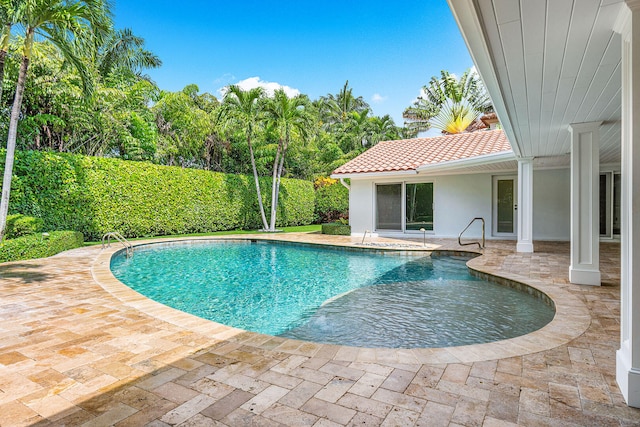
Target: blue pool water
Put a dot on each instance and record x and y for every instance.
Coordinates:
(359, 298)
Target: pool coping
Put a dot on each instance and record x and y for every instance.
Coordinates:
(571, 319)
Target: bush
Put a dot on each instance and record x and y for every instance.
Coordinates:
(20, 225)
(96, 195)
(332, 202)
(39, 245)
(336, 229)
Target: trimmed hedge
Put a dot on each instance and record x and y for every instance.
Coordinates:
(332, 202)
(20, 225)
(39, 246)
(96, 195)
(336, 229)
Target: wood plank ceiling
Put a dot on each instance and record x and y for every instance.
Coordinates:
(547, 64)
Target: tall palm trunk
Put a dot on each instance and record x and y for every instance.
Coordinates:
(278, 166)
(13, 133)
(274, 179)
(265, 225)
(4, 48)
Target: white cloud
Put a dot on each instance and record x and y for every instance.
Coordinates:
(378, 99)
(269, 87)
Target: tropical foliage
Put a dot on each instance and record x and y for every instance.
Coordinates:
(448, 103)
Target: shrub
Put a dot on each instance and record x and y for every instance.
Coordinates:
(21, 225)
(39, 245)
(96, 195)
(336, 229)
(332, 202)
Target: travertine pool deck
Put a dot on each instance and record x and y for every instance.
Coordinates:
(79, 348)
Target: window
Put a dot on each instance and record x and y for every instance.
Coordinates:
(609, 206)
(419, 206)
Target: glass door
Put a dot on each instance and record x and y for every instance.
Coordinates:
(419, 206)
(389, 207)
(504, 205)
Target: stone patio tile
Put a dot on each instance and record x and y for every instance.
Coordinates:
(289, 416)
(331, 411)
(199, 420)
(335, 389)
(411, 403)
(456, 373)
(112, 416)
(362, 419)
(264, 399)
(503, 407)
(367, 384)
(282, 380)
(241, 417)
(147, 415)
(342, 371)
(301, 394)
(368, 406)
(110, 340)
(398, 380)
(469, 412)
(400, 417)
(435, 415)
(187, 409)
(175, 392)
(227, 404)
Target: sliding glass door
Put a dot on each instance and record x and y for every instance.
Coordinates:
(419, 206)
(414, 214)
(389, 207)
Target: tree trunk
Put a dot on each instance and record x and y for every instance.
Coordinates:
(274, 202)
(257, 181)
(11, 144)
(274, 179)
(3, 54)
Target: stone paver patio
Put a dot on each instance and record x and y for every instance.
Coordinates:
(79, 348)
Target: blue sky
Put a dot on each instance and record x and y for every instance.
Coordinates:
(387, 50)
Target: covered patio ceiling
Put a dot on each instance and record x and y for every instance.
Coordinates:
(547, 64)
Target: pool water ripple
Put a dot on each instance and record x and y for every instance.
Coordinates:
(358, 298)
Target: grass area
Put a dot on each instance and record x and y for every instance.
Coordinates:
(314, 228)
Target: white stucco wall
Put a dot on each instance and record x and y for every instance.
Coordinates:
(552, 204)
(460, 198)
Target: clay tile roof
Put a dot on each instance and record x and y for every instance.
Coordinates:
(409, 154)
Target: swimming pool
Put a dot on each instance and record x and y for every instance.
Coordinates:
(360, 298)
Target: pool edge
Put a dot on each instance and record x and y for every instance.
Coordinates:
(570, 321)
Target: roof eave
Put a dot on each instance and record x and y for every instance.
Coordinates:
(374, 174)
(485, 159)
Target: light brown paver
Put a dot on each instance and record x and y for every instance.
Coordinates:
(79, 348)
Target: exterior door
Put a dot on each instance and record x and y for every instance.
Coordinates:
(505, 199)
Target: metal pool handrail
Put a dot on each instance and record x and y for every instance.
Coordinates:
(120, 238)
(480, 245)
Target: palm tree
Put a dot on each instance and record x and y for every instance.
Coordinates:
(243, 108)
(124, 50)
(70, 25)
(455, 117)
(469, 87)
(336, 108)
(288, 115)
(8, 12)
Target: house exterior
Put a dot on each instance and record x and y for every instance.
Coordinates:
(564, 79)
(440, 184)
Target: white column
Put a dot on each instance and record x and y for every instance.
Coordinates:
(628, 357)
(525, 205)
(585, 172)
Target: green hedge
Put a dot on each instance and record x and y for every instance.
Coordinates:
(96, 195)
(20, 225)
(39, 245)
(336, 229)
(332, 202)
